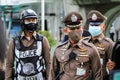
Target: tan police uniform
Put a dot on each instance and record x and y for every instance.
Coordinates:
(102, 43)
(81, 62)
(86, 65)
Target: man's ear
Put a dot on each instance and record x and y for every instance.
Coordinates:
(103, 26)
(66, 30)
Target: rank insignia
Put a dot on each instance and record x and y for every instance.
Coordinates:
(65, 47)
(100, 46)
(83, 50)
(83, 55)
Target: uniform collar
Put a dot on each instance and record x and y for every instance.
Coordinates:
(23, 35)
(98, 39)
(68, 45)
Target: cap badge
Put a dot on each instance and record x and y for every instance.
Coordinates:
(94, 17)
(74, 18)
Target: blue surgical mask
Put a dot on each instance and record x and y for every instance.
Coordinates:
(95, 30)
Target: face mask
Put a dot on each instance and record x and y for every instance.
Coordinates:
(95, 30)
(74, 36)
(30, 26)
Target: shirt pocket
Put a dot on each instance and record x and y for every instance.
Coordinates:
(82, 58)
(83, 61)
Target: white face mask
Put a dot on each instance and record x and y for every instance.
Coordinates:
(95, 30)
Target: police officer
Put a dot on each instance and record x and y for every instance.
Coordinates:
(102, 43)
(29, 51)
(76, 59)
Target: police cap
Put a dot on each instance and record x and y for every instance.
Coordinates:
(73, 19)
(95, 17)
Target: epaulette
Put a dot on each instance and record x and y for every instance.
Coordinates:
(16, 41)
(108, 39)
(39, 37)
(86, 38)
(65, 43)
(87, 43)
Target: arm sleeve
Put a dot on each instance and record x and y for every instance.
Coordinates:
(9, 61)
(46, 55)
(55, 67)
(109, 50)
(96, 66)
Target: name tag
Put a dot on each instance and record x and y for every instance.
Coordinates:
(81, 71)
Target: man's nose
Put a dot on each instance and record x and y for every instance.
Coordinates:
(31, 20)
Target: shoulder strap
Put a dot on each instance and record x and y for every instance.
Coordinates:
(39, 37)
(17, 42)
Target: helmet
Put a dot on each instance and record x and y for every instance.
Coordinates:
(26, 14)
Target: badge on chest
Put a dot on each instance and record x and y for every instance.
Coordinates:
(80, 70)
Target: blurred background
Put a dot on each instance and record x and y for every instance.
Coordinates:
(50, 14)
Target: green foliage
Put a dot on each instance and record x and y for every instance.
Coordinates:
(49, 36)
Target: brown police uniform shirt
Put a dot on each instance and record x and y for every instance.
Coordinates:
(10, 55)
(104, 46)
(86, 65)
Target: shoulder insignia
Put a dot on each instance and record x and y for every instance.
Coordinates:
(62, 44)
(86, 38)
(87, 43)
(100, 46)
(65, 46)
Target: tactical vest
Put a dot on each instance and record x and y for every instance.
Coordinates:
(28, 60)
